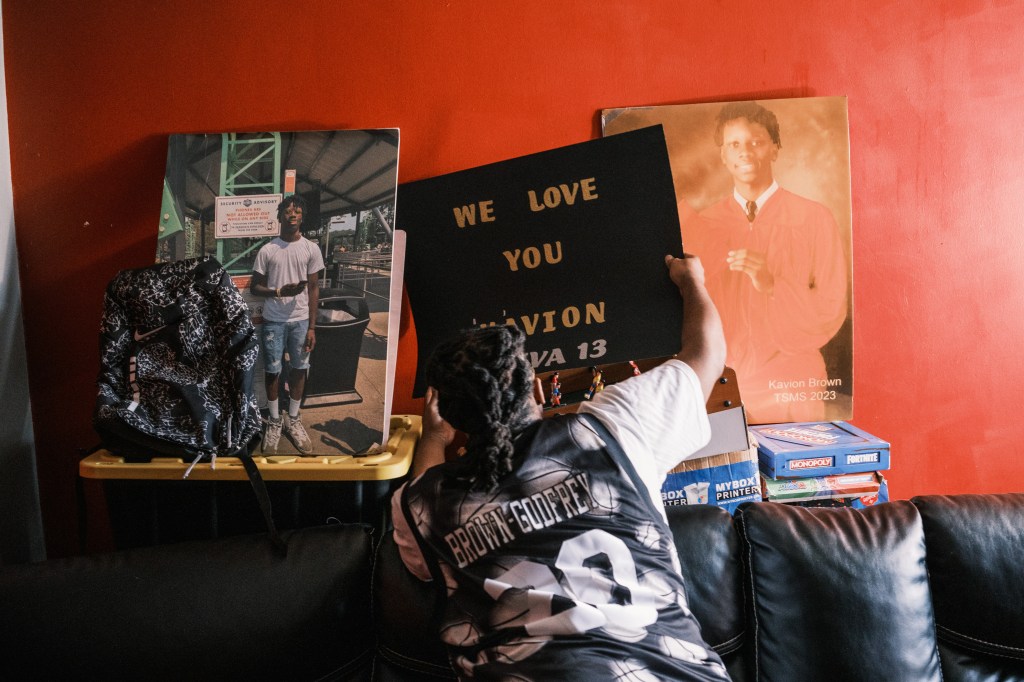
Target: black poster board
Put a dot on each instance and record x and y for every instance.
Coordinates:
(566, 244)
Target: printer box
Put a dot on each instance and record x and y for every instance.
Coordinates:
(724, 480)
(805, 449)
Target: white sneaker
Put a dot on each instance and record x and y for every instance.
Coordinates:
(297, 434)
(272, 434)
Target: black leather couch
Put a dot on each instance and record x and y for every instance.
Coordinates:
(927, 589)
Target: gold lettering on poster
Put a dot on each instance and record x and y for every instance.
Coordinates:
(531, 256)
(550, 320)
(553, 197)
(467, 215)
(520, 259)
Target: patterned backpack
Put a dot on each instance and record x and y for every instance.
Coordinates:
(177, 356)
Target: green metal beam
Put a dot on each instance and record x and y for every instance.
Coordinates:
(250, 164)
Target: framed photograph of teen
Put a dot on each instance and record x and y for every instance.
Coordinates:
(303, 223)
(763, 192)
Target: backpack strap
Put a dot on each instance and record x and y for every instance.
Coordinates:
(429, 557)
(259, 486)
(203, 276)
(172, 312)
(204, 271)
(263, 497)
(208, 265)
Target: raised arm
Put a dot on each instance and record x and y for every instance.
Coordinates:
(437, 435)
(703, 342)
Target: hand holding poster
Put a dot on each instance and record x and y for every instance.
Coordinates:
(567, 244)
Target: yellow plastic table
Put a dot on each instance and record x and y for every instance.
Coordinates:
(393, 463)
(152, 503)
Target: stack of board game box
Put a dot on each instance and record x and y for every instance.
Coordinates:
(821, 464)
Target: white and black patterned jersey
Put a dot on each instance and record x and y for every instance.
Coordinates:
(563, 572)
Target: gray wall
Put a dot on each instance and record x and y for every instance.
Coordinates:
(21, 527)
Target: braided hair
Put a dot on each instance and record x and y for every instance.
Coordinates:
(484, 384)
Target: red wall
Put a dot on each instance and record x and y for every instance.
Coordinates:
(935, 97)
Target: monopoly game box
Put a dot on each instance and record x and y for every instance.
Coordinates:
(804, 449)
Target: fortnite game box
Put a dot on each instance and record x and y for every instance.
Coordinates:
(803, 449)
(820, 487)
(724, 480)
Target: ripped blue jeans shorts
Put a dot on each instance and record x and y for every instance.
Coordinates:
(276, 337)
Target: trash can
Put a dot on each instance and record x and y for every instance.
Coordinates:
(340, 323)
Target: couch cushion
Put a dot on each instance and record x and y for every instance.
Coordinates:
(217, 610)
(975, 554)
(408, 646)
(838, 594)
(709, 555)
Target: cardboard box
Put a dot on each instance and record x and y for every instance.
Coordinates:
(805, 449)
(820, 487)
(724, 480)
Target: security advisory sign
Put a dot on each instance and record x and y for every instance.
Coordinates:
(251, 215)
(567, 244)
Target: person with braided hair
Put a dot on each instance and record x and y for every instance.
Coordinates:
(547, 536)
